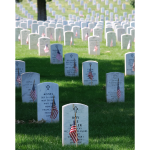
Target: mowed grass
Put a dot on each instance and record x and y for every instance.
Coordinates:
(111, 125)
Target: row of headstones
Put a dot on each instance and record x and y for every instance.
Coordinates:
(33, 6)
(24, 11)
(28, 81)
(124, 34)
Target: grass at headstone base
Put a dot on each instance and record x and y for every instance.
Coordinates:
(111, 125)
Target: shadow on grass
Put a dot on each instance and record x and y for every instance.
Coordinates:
(105, 120)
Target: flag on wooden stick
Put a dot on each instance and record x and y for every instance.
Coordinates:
(118, 90)
(19, 37)
(54, 111)
(18, 77)
(71, 41)
(33, 92)
(58, 56)
(72, 132)
(111, 43)
(46, 49)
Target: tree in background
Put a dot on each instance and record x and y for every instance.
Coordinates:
(132, 2)
(41, 6)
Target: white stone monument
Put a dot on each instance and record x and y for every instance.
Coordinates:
(68, 38)
(33, 40)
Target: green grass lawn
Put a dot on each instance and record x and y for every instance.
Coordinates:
(111, 125)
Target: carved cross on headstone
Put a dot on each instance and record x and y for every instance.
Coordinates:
(71, 55)
(75, 109)
(47, 87)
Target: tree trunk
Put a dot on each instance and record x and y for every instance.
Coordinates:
(41, 4)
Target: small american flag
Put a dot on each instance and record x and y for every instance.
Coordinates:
(36, 31)
(76, 33)
(43, 34)
(71, 41)
(46, 50)
(18, 77)
(58, 56)
(75, 67)
(90, 74)
(27, 41)
(95, 48)
(19, 37)
(111, 43)
(33, 93)
(72, 132)
(91, 30)
(134, 39)
(118, 90)
(86, 36)
(38, 44)
(51, 36)
(133, 67)
(129, 45)
(59, 38)
(54, 111)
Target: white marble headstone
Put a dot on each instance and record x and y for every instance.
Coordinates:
(24, 36)
(29, 82)
(44, 46)
(59, 34)
(126, 40)
(71, 64)
(81, 121)
(85, 32)
(48, 98)
(68, 38)
(90, 73)
(115, 91)
(111, 39)
(130, 63)
(33, 40)
(19, 69)
(76, 31)
(119, 32)
(132, 33)
(41, 30)
(23, 25)
(49, 32)
(17, 33)
(98, 32)
(34, 28)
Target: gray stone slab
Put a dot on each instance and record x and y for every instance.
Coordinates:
(56, 54)
(49, 32)
(98, 32)
(17, 33)
(41, 30)
(90, 73)
(23, 25)
(29, 81)
(68, 38)
(71, 66)
(130, 63)
(85, 32)
(59, 34)
(19, 69)
(115, 91)
(132, 33)
(34, 28)
(48, 102)
(24, 36)
(119, 32)
(76, 31)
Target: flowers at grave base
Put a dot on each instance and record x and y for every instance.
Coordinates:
(118, 90)
(73, 131)
(111, 43)
(33, 92)
(129, 45)
(46, 49)
(54, 111)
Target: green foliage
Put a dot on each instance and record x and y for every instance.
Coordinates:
(132, 3)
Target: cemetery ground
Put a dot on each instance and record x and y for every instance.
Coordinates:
(111, 125)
